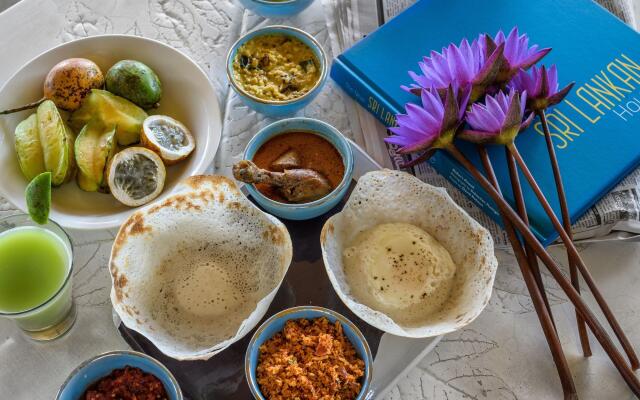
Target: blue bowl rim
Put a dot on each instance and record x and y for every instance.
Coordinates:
(368, 359)
(348, 168)
(275, 2)
(324, 63)
(91, 360)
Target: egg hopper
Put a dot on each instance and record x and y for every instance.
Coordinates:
(431, 209)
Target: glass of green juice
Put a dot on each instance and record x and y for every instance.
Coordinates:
(36, 265)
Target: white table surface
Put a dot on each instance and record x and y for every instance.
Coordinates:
(501, 355)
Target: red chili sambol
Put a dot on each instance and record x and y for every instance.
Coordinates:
(128, 383)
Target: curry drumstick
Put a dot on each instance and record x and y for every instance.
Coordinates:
(296, 185)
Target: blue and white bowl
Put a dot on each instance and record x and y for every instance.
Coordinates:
(278, 108)
(276, 323)
(276, 8)
(100, 366)
(315, 208)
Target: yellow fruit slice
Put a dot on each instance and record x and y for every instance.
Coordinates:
(28, 147)
(94, 147)
(111, 110)
(57, 141)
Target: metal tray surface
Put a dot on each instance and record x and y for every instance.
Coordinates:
(306, 283)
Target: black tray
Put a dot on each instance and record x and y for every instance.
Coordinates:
(306, 283)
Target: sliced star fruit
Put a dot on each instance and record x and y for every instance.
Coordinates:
(57, 141)
(169, 138)
(95, 146)
(136, 176)
(28, 147)
(111, 110)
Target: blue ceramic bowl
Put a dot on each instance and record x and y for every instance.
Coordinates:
(276, 9)
(276, 108)
(100, 366)
(276, 323)
(315, 208)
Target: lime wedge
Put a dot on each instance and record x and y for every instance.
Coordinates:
(38, 196)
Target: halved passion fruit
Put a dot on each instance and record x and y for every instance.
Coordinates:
(167, 137)
(136, 176)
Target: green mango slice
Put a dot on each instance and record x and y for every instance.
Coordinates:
(57, 141)
(94, 147)
(28, 148)
(111, 110)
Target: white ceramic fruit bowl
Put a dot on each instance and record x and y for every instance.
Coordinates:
(188, 96)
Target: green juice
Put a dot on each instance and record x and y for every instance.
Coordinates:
(34, 264)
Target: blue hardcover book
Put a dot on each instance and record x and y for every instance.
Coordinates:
(596, 130)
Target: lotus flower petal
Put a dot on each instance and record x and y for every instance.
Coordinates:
(541, 85)
(433, 124)
(498, 120)
(458, 66)
(479, 116)
(552, 79)
(400, 140)
(412, 133)
(517, 53)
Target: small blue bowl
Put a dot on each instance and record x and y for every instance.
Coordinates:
(277, 108)
(315, 208)
(100, 366)
(276, 323)
(275, 8)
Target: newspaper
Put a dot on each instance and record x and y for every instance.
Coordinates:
(615, 217)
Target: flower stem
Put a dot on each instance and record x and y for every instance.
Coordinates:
(566, 222)
(598, 331)
(573, 254)
(25, 107)
(535, 290)
(521, 207)
(423, 157)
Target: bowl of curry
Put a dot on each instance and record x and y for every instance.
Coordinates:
(277, 70)
(297, 168)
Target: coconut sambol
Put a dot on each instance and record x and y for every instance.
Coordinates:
(310, 359)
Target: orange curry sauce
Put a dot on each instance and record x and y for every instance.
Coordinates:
(315, 153)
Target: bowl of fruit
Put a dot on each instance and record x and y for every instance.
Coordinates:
(117, 120)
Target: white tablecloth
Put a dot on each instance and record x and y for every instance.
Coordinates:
(502, 355)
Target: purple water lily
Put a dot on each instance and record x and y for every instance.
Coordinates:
(541, 85)
(432, 125)
(497, 121)
(517, 54)
(459, 67)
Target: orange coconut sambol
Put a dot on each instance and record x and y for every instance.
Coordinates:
(309, 359)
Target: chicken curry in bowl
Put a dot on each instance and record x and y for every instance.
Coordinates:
(296, 168)
(293, 167)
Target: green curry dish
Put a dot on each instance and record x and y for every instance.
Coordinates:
(276, 68)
